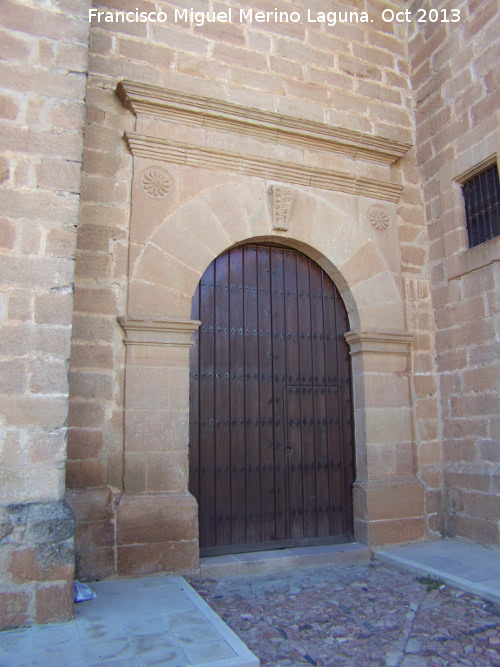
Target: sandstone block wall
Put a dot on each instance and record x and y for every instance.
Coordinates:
(43, 64)
(457, 96)
(352, 76)
(426, 404)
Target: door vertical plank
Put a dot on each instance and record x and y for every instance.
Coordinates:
(266, 403)
(237, 398)
(309, 489)
(277, 257)
(294, 420)
(319, 376)
(194, 403)
(333, 409)
(221, 398)
(346, 427)
(251, 374)
(207, 408)
(291, 319)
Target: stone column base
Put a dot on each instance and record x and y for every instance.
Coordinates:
(389, 511)
(95, 531)
(157, 532)
(37, 562)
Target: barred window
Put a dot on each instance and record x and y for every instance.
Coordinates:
(482, 205)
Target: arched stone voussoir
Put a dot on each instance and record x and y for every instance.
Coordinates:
(391, 312)
(312, 220)
(379, 303)
(363, 264)
(253, 196)
(234, 213)
(352, 260)
(174, 237)
(157, 267)
(197, 216)
(147, 300)
(225, 204)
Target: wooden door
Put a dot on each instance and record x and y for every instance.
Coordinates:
(271, 450)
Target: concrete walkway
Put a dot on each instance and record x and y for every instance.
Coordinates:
(131, 623)
(162, 620)
(471, 568)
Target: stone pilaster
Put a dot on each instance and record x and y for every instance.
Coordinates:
(157, 518)
(388, 498)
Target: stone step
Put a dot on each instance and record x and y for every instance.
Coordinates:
(283, 560)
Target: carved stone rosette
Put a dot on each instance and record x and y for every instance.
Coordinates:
(281, 206)
(157, 182)
(378, 217)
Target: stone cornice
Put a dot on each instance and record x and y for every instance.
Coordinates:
(158, 331)
(379, 342)
(253, 165)
(269, 126)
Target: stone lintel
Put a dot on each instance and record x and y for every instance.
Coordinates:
(379, 342)
(210, 157)
(166, 331)
(269, 126)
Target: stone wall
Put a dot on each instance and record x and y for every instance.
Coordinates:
(354, 76)
(457, 94)
(218, 115)
(43, 64)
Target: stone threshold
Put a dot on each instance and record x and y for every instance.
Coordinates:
(283, 560)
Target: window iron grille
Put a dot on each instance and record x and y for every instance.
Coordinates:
(482, 205)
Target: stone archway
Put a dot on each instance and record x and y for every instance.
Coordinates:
(157, 517)
(185, 242)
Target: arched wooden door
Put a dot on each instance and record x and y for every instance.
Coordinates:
(271, 435)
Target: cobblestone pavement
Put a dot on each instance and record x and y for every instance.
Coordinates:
(360, 616)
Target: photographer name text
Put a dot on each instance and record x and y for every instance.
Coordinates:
(230, 15)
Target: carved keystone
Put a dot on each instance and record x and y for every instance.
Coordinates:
(281, 206)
